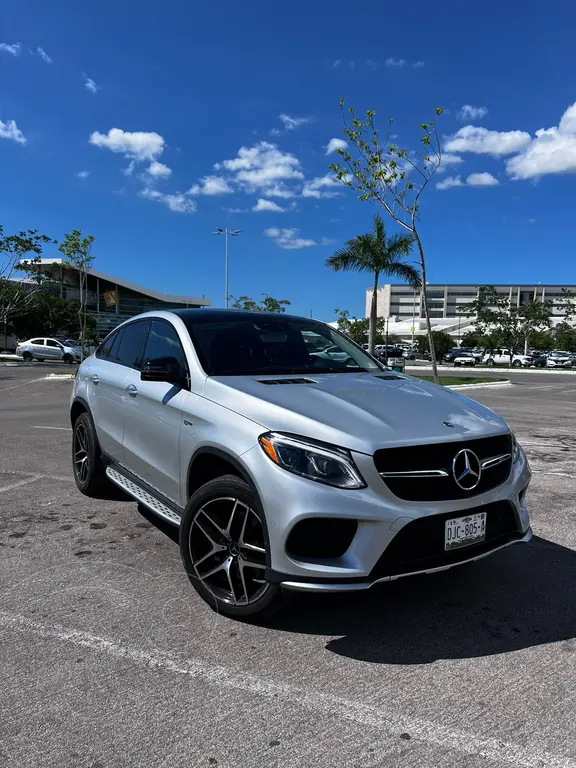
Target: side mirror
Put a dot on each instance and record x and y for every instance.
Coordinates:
(162, 369)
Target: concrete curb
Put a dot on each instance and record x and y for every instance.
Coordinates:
(496, 369)
(482, 385)
(60, 376)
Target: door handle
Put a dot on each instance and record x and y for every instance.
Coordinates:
(131, 389)
(94, 378)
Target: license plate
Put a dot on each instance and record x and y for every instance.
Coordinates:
(463, 531)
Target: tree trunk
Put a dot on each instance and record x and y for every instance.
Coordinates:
(426, 313)
(373, 316)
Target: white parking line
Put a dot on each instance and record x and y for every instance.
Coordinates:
(21, 482)
(320, 703)
(65, 429)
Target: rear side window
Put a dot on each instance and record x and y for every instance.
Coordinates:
(36, 341)
(164, 342)
(131, 346)
(103, 350)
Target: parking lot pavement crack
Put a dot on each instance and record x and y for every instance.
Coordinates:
(324, 704)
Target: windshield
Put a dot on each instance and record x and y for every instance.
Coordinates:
(258, 347)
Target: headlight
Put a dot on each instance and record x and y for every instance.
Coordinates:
(515, 450)
(317, 461)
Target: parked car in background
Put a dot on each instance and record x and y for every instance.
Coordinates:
(286, 471)
(539, 359)
(506, 357)
(454, 353)
(464, 358)
(391, 356)
(560, 359)
(42, 348)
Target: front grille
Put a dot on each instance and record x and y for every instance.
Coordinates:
(440, 456)
(419, 546)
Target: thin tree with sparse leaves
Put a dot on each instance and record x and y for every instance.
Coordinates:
(377, 254)
(393, 177)
(77, 251)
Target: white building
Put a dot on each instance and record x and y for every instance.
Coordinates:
(404, 307)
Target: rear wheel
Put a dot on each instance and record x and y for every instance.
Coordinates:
(89, 471)
(27, 357)
(490, 362)
(225, 550)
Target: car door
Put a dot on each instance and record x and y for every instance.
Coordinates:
(53, 350)
(39, 349)
(107, 375)
(154, 416)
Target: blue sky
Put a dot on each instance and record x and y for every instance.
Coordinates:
(188, 85)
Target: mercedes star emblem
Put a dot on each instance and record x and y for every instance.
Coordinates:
(466, 469)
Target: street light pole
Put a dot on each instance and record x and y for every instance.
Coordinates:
(227, 233)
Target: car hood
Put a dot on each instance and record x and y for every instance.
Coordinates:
(361, 412)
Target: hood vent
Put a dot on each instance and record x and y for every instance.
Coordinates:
(388, 377)
(286, 381)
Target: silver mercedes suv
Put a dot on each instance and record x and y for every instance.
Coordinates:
(289, 458)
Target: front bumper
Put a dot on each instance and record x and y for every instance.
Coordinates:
(288, 499)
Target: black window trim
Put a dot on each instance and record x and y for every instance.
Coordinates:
(120, 332)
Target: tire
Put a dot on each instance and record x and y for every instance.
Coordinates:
(88, 469)
(516, 364)
(27, 357)
(490, 362)
(205, 545)
(68, 359)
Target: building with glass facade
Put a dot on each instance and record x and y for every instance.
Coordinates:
(110, 300)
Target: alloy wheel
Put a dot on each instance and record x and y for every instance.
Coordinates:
(80, 453)
(227, 549)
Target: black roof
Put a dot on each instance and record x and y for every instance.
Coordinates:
(219, 315)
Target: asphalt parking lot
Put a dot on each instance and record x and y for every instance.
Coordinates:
(109, 659)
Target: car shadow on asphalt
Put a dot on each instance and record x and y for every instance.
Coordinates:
(521, 597)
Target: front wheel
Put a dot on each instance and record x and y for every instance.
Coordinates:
(225, 550)
(516, 364)
(68, 359)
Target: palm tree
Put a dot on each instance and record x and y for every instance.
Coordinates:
(374, 252)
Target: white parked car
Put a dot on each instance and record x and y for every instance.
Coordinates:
(560, 359)
(42, 348)
(505, 357)
(464, 358)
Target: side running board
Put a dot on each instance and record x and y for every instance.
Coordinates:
(142, 495)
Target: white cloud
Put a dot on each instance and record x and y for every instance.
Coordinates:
(137, 145)
(481, 141)
(336, 63)
(327, 241)
(482, 180)
(262, 165)
(178, 203)
(473, 180)
(447, 159)
(335, 144)
(287, 239)
(391, 62)
(322, 186)
(158, 170)
(43, 55)
(280, 190)
(210, 185)
(13, 48)
(91, 86)
(267, 205)
(418, 65)
(468, 112)
(450, 181)
(552, 151)
(11, 131)
(291, 123)
(82, 174)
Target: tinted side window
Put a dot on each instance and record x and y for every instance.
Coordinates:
(36, 341)
(163, 341)
(129, 350)
(103, 350)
